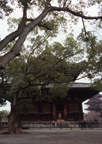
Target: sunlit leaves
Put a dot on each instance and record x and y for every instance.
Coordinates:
(13, 23)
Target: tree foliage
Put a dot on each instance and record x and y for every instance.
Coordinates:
(54, 64)
(50, 16)
(4, 115)
(5, 10)
(27, 75)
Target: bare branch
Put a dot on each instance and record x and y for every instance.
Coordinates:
(84, 26)
(89, 40)
(78, 14)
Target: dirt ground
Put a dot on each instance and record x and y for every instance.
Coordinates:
(58, 136)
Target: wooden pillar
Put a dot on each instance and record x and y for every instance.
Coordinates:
(65, 111)
(0, 122)
(81, 111)
(54, 111)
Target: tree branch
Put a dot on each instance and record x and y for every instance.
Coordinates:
(25, 71)
(23, 31)
(9, 39)
(89, 40)
(15, 51)
(16, 33)
(78, 14)
(41, 24)
(44, 26)
(47, 3)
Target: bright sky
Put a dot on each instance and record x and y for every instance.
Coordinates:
(18, 13)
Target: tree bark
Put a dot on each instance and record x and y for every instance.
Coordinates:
(12, 129)
(11, 121)
(15, 51)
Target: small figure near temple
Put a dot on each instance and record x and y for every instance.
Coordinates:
(59, 115)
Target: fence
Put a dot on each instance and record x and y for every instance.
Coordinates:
(51, 125)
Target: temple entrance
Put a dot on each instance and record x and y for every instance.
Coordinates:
(60, 111)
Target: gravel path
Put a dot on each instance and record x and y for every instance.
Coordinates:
(54, 137)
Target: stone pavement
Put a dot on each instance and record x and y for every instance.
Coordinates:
(45, 136)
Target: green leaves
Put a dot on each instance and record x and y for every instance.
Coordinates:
(97, 84)
(5, 9)
(4, 115)
(58, 91)
(25, 106)
(13, 23)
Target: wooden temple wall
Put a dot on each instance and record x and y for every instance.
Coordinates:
(54, 111)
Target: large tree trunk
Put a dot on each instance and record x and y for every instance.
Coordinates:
(11, 122)
(12, 129)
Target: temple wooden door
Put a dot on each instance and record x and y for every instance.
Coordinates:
(60, 111)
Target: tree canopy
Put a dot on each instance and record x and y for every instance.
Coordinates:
(52, 64)
(50, 16)
(42, 64)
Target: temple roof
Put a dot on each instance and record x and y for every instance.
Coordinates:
(81, 85)
(80, 91)
(72, 85)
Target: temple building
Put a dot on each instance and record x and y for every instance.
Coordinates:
(66, 109)
(94, 104)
